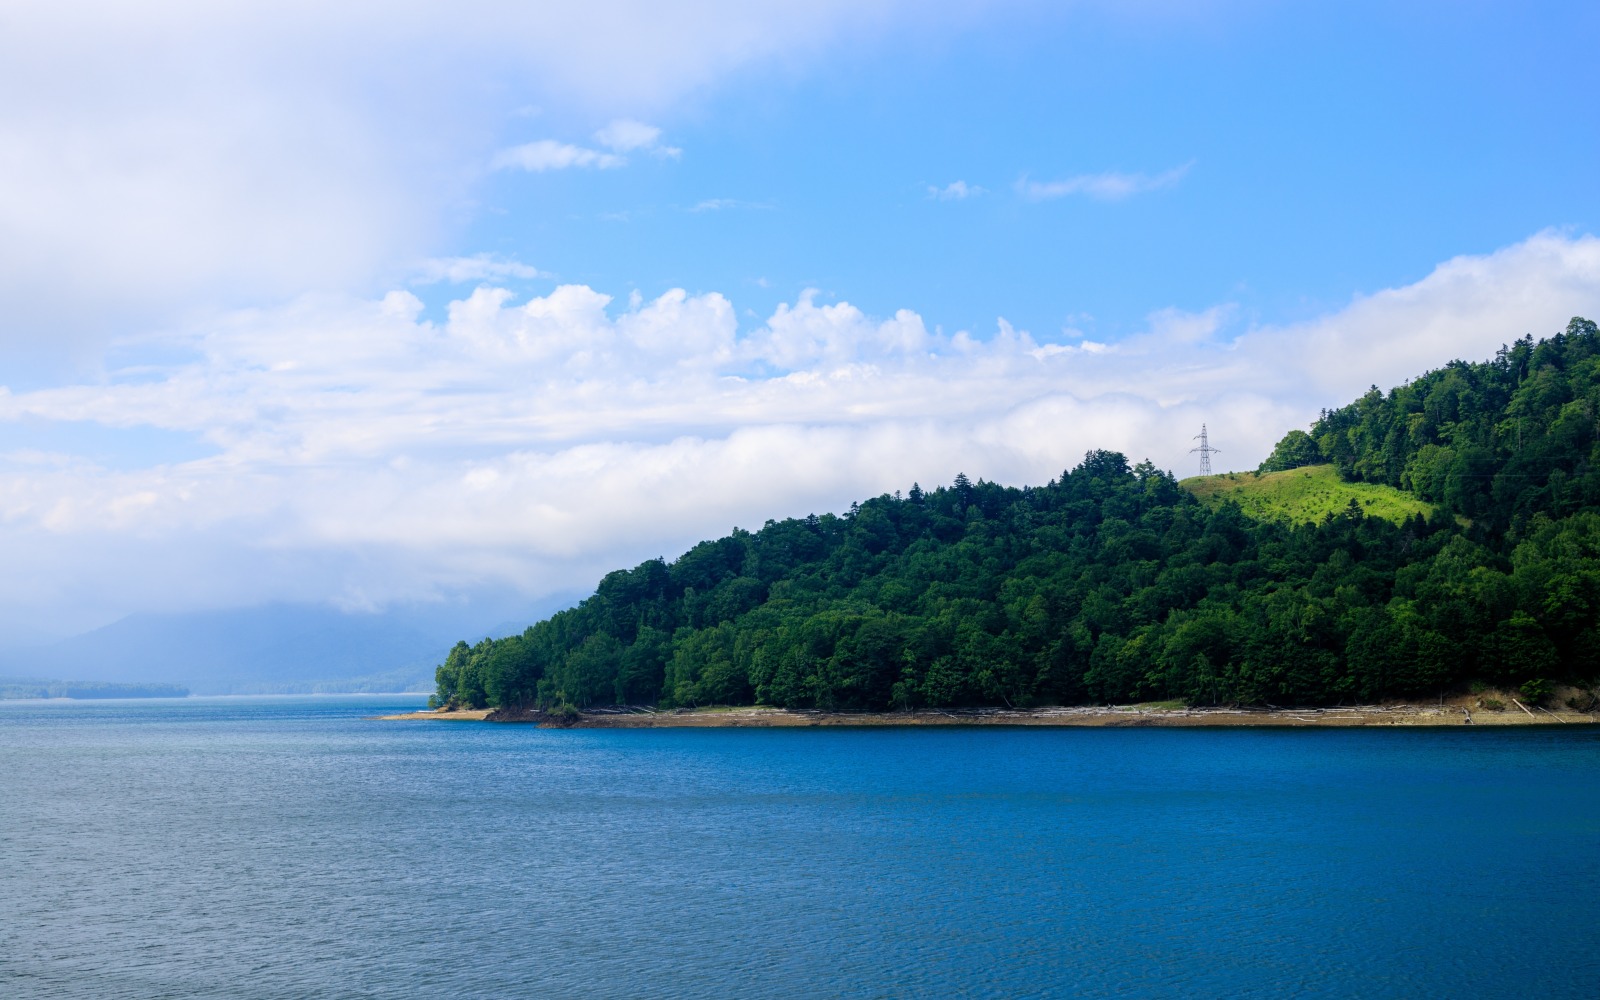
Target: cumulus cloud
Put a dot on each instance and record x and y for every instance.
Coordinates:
(1466, 307)
(362, 452)
(1110, 186)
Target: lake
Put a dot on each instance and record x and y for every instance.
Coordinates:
(293, 847)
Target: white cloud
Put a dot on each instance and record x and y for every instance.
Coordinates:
(366, 454)
(954, 191)
(626, 136)
(1110, 186)
(726, 204)
(1465, 308)
(621, 136)
(174, 154)
(547, 154)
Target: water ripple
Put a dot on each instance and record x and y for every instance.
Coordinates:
(292, 848)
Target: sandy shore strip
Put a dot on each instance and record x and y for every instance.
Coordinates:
(456, 715)
(1445, 714)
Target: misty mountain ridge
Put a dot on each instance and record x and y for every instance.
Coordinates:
(271, 649)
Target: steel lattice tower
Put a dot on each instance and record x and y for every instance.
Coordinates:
(1205, 450)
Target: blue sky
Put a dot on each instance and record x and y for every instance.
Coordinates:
(1329, 149)
(375, 305)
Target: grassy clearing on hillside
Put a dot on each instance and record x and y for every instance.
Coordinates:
(1305, 494)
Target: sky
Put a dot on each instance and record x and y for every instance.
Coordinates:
(384, 304)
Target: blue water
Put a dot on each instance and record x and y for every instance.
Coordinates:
(294, 848)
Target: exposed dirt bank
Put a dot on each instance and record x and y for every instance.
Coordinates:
(1459, 712)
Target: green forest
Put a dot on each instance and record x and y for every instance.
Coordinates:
(1115, 584)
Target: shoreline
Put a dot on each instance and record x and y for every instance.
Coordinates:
(1115, 716)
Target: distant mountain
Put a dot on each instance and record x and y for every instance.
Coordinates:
(272, 649)
(18, 688)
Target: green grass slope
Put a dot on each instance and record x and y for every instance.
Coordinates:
(1304, 494)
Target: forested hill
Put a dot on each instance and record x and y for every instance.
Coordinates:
(1112, 583)
(1499, 442)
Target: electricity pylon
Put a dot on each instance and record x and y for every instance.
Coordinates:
(1205, 450)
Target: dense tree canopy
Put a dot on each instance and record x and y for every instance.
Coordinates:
(1112, 583)
(1498, 443)
(1295, 450)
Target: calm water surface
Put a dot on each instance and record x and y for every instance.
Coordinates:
(294, 848)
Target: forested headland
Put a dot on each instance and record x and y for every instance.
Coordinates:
(1114, 583)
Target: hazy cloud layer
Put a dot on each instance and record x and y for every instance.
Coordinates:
(170, 154)
(361, 453)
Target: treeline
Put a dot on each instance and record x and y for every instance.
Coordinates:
(15, 689)
(1113, 584)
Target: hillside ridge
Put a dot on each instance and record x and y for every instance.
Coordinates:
(1305, 494)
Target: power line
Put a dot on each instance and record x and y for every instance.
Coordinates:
(1205, 450)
